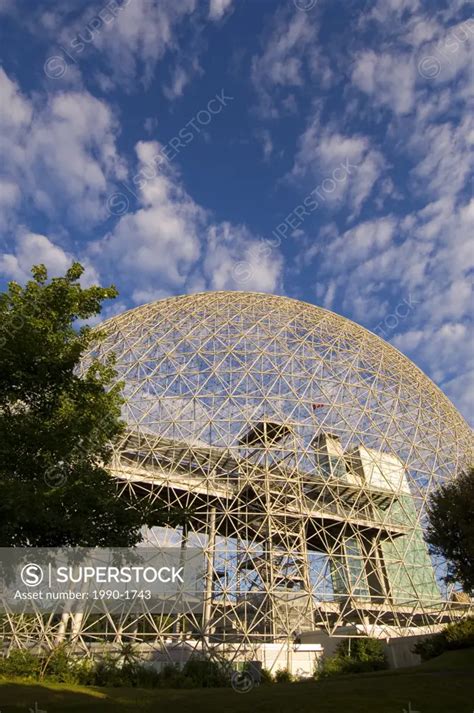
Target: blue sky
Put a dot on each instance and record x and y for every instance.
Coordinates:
(314, 148)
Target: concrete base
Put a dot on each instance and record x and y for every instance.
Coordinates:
(398, 649)
(301, 661)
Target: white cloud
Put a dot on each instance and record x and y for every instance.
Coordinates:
(390, 10)
(421, 30)
(15, 118)
(236, 260)
(150, 124)
(140, 297)
(360, 243)
(417, 270)
(429, 259)
(63, 149)
(281, 61)
(409, 341)
(450, 50)
(34, 249)
(445, 157)
(460, 390)
(160, 240)
(265, 139)
(429, 51)
(330, 294)
(9, 198)
(181, 77)
(73, 144)
(138, 38)
(429, 255)
(15, 110)
(170, 240)
(218, 8)
(448, 355)
(129, 37)
(178, 82)
(388, 79)
(323, 150)
(289, 47)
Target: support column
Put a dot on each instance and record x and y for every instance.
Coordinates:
(182, 560)
(62, 629)
(211, 543)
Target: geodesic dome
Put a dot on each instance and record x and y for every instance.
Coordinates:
(305, 448)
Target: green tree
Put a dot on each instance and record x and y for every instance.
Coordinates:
(356, 655)
(57, 421)
(451, 528)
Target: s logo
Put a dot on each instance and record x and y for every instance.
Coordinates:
(32, 575)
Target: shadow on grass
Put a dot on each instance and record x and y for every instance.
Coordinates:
(24, 695)
(422, 687)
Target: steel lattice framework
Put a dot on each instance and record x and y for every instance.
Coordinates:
(305, 448)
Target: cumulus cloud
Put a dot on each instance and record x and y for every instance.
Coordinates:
(447, 354)
(416, 271)
(281, 62)
(62, 149)
(171, 240)
(159, 240)
(428, 253)
(289, 56)
(445, 53)
(460, 390)
(388, 79)
(416, 72)
(15, 109)
(360, 243)
(236, 260)
(323, 149)
(445, 157)
(126, 39)
(429, 50)
(9, 198)
(135, 40)
(34, 249)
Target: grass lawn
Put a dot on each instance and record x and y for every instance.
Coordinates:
(443, 685)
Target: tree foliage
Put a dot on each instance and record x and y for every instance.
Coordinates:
(57, 421)
(356, 655)
(451, 528)
(458, 635)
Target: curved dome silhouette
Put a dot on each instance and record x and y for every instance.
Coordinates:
(305, 447)
(202, 367)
